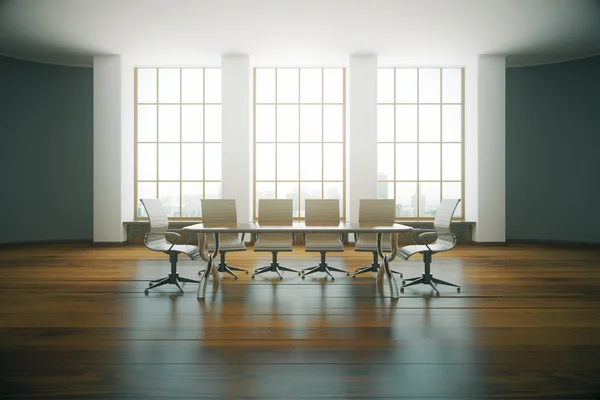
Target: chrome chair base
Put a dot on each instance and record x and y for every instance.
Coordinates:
(427, 278)
(173, 278)
(322, 267)
(274, 267)
(223, 267)
(374, 267)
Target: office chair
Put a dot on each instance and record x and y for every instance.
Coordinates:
(156, 240)
(223, 212)
(322, 212)
(274, 212)
(445, 240)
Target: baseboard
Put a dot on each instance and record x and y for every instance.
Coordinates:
(45, 242)
(557, 243)
(110, 244)
(496, 244)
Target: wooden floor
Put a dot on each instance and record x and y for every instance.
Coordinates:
(74, 323)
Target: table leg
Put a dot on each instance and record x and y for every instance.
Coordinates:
(211, 268)
(386, 271)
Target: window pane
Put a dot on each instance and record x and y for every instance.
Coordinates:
(406, 123)
(406, 162)
(452, 123)
(146, 123)
(192, 85)
(212, 85)
(451, 85)
(212, 123)
(146, 85)
(287, 123)
(146, 158)
(385, 190)
(406, 85)
(287, 161)
(333, 123)
(429, 85)
(191, 123)
(289, 190)
(168, 161)
(385, 85)
(406, 199)
(451, 162)
(429, 123)
(333, 162)
(385, 123)
(265, 85)
(168, 123)
(287, 85)
(310, 123)
(333, 85)
(168, 85)
(310, 85)
(309, 190)
(265, 161)
(385, 162)
(429, 198)
(192, 163)
(311, 162)
(334, 190)
(265, 123)
(453, 190)
(191, 196)
(213, 190)
(264, 190)
(168, 192)
(212, 154)
(429, 162)
(145, 190)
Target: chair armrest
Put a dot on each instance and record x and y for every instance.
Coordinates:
(428, 235)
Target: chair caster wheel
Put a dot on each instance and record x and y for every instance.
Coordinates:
(458, 290)
(332, 279)
(347, 273)
(281, 278)
(247, 272)
(299, 273)
(252, 276)
(150, 284)
(146, 292)
(353, 276)
(401, 290)
(235, 277)
(437, 294)
(303, 277)
(404, 282)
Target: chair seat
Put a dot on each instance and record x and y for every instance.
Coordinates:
(323, 242)
(368, 242)
(227, 243)
(407, 251)
(165, 246)
(269, 242)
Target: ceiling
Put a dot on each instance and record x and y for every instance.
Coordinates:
(528, 32)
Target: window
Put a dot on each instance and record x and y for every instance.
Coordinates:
(178, 138)
(420, 138)
(299, 131)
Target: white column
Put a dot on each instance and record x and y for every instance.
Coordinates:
(107, 149)
(491, 150)
(237, 135)
(362, 137)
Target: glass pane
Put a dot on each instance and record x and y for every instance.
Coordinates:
(309, 190)
(333, 85)
(192, 163)
(406, 199)
(385, 190)
(429, 85)
(168, 123)
(406, 162)
(452, 123)
(429, 162)
(311, 162)
(265, 123)
(429, 123)
(287, 123)
(287, 85)
(212, 85)
(453, 190)
(287, 161)
(212, 123)
(333, 161)
(334, 190)
(385, 123)
(429, 198)
(212, 166)
(146, 158)
(145, 190)
(191, 123)
(168, 162)
(168, 193)
(265, 85)
(310, 123)
(265, 161)
(264, 190)
(289, 190)
(146, 124)
(451, 85)
(192, 85)
(213, 190)
(451, 162)
(406, 123)
(385, 85)
(333, 123)
(385, 162)
(168, 85)
(146, 85)
(406, 85)
(191, 195)
(310, 85)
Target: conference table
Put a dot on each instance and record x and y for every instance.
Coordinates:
(299, 227)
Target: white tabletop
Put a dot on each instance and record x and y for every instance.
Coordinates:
(297, 227)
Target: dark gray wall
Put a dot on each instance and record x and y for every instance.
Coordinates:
(553, 152)
(46, 131)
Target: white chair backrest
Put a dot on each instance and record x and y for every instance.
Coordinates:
(275, 211)
(444, 214)
(376, 211)
(216, 211)
(159, 222)
(322, 211)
